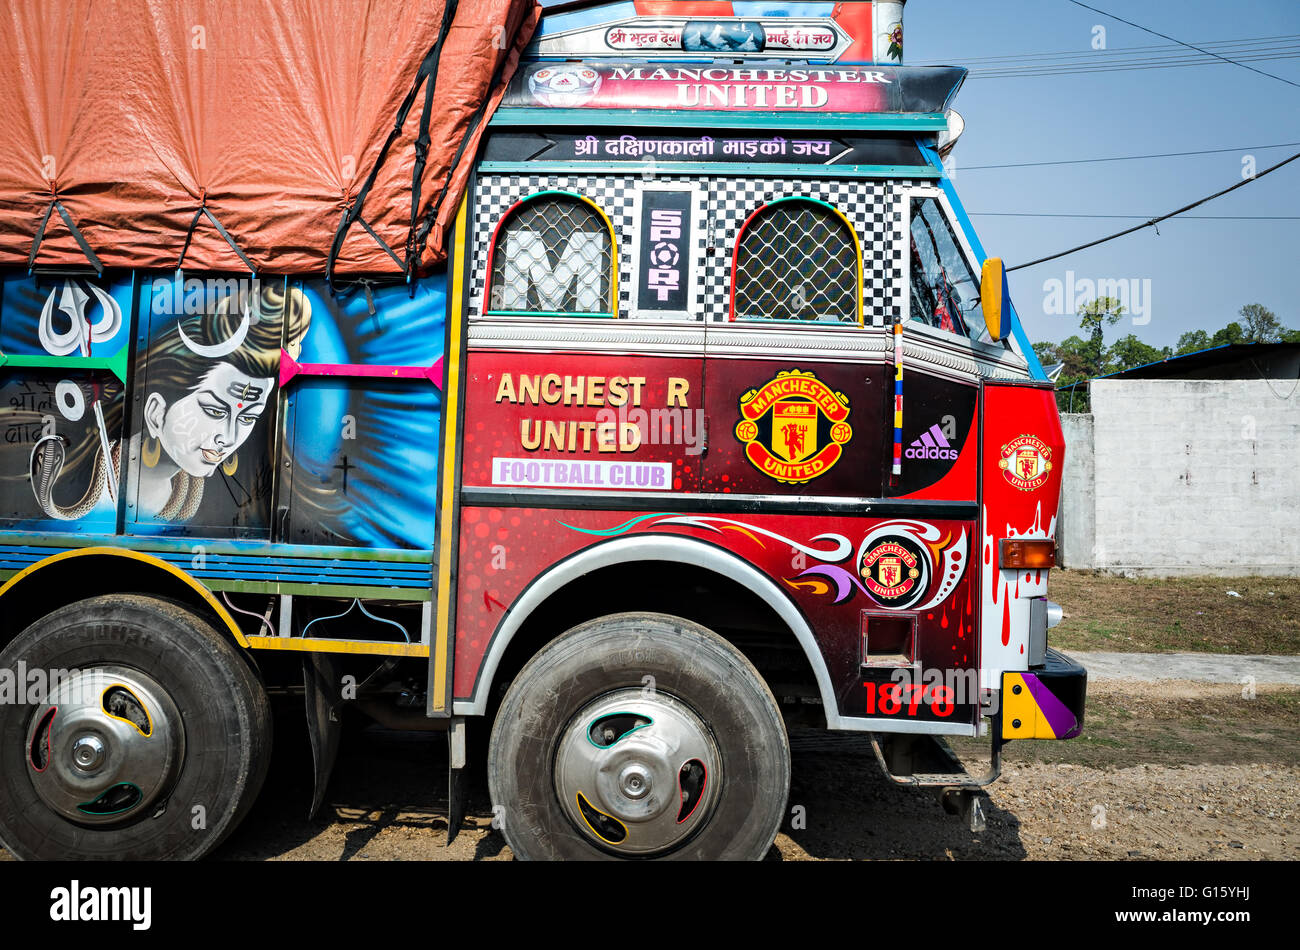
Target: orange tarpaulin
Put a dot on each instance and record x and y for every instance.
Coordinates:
(266, 117)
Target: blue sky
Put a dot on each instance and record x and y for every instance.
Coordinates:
(1201, 271)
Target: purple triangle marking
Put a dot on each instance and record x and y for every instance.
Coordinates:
(1062, 721)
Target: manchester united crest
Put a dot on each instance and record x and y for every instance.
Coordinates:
(1026, 462)
(794, 427)
(891, 571)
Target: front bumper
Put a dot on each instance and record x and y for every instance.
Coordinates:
(1045, 702)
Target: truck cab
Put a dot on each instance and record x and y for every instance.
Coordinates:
(718, 419)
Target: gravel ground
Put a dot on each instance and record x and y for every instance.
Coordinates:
(1036, 811)
(1158, 778)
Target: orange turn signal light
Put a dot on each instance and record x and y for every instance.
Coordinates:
(1019, 554)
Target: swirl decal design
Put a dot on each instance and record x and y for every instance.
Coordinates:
(935, 548)
(835, 547)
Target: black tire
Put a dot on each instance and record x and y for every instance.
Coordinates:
(224, 726)
(695, 671)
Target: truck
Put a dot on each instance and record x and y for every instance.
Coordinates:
(642, 392)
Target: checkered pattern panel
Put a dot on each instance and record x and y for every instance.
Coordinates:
(875, 208)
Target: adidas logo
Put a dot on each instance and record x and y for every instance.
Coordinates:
(932, 445)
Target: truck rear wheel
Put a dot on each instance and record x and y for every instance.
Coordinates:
(150, 741)
(639, 736)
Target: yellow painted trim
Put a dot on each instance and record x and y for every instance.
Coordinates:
(316, 645)
(152, 561)
(613, 246)
(857, 244)
(578, 799)
(451, 414)
(147, 717)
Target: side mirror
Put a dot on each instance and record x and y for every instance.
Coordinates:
(994, 295)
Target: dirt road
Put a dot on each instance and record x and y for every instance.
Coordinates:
(1178, 771)
(1174, 771)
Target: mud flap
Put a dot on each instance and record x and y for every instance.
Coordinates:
(457, 775)
(322, 692)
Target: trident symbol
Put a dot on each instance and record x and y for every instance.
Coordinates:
(82, 333)
(80, 336)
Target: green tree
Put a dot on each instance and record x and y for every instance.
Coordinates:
(1191, 342)
(1048, 353)
(1129, 352)
(1072, 352)
(1231, 334)
(1094, 317)
(1085, 358)
(1261, 324)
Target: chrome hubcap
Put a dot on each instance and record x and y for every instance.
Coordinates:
(106, 745)
(88, 753)
(637, 772)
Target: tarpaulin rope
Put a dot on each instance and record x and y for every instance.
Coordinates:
(380, 241)
(189, 234)
(353, 213)
(422, 138)
(431, 216)
(56, 204)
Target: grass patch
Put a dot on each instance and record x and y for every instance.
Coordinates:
(1207, 725)
(1176, 615)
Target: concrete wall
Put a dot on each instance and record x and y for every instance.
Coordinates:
(1076, 521)
(1187, 477)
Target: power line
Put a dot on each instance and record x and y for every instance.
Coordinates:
(1136, 66)
(1160, 56)
(1118, 68)
(1119, 50)
(1101, 59)
(1154, 53)
(1079, 3)
(1154, 221)
(1125, 158)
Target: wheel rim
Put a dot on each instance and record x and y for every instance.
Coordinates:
(106, 745)
(637, 774)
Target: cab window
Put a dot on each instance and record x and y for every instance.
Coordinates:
(944, 285)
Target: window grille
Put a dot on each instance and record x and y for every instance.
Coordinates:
(553, 255)
(797, 260)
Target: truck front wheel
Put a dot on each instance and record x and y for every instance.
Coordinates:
(143, 734)
(639, 736)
